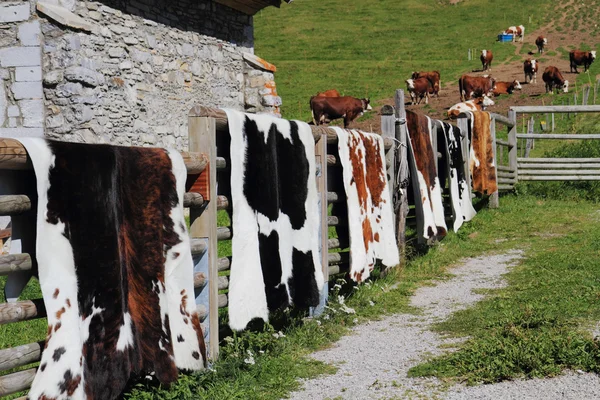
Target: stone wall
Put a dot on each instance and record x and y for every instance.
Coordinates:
(128, 71)
(21, 104)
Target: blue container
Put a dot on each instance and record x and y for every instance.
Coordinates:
(505, 37)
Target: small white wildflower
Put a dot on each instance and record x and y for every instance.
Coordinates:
(341, 300)
(337, 286)
(326, 317)
(261, 351)
(228, 339)
(278, 335)
(250, 358)
(318, 322)
(347, 309)
(371, 303)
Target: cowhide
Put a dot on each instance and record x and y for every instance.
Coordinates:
(460, 191)
(275, 244)
(428, 194)
(482, 164)
(370, 218)
(115, 269)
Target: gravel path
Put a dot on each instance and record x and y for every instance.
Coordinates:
(374, 359)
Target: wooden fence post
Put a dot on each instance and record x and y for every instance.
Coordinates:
(494, 200)
(401, 187)
(512, 143)
(585, 95)
(321, 162)
(388, 129)
(203, 222)
(529, 142)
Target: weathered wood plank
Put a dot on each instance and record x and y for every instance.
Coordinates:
(338, 258)
(199, 279)
(334, 197)
(193, 199)
(14, 204)
(555, 109)
(15, 262)
(504, 143)
(494, 200)
(194, 162)
(222, 202)
(224, 233)
(506, 187)
(336, 221)
(339, 269)
(504, 168)
(22, 311)
(221, 163)
(13, 155)
(223, 282)
(20, 355)
(503, 120)
(501, 174)
(402, 177)
(197, 246)
(525, 166)
(524, 172)
(512, 140)
(220, 119)
(223, 300)
(559, 178)
(17, 381)
(224, 263)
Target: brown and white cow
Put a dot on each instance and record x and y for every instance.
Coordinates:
(506, 87)
(478, 104)
(475, 86)
(419, 88)
(486, 60)
(516, 31)
(329, 93)
(530, 68)
(434, 78)
(541, 42)
(554, 80)
(326, 109)
(579, 57)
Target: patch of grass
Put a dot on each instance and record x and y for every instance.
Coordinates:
(369, 48)
(533, 327)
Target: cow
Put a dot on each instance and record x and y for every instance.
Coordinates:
(506, 87)
(530, 68)
(541, 42)
(478, 104)
(579, 57)
(419, 88)
(516, 31)
(554, 80)
(326, 109)
(475, 86)
(434, 78)
(486, 60)
(329, 93)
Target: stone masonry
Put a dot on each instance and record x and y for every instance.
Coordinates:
(125, 71)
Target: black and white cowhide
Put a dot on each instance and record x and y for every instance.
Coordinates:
(370, 217)
(275, 243)
(115, 269)
(460, 191)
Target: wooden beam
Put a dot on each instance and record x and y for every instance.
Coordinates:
(14, 204)
(21, 355)
(558, 160)
(574, 136)
(502, 119)
(15, 262)
(339, 269)
(224, 233)
(402, 173)
(22, 311)
(525, 166)
(338, 258)
(222, 126)
(334, 197)
(555, 109)
(559, 178)
(17, 381)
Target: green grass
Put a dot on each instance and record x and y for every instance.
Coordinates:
(370, 48)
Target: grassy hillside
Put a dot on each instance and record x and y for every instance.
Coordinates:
(369, 48)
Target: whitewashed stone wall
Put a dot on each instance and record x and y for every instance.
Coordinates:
(125, 71)
(21, 104)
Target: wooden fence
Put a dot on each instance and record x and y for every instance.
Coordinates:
(554, 169)
(208, 175)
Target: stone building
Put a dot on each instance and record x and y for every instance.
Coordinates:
(127, 71)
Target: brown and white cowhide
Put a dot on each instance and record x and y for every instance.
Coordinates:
(115, 269)
(275, 244)
(370, 218)
(482, 164)
(460, 191)
(428, 193)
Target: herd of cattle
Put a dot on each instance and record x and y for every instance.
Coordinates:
(476, 92)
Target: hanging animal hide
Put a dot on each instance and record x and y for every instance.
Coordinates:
(460, 192)
(370, 217)
(482, 164)
(275, 244)
(428, 194)
(115, 269)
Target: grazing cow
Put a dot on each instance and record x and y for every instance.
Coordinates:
(486, 60)
(554, 80)
(326, 109)
(419, 88)
(506, 87)
(478, 104)
(475, 86)
(434, 78)
(530, 68)
(541, 42)
(516, 31)
(579, 57)
(329, 93)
